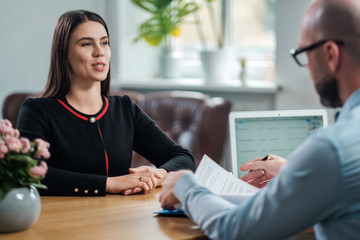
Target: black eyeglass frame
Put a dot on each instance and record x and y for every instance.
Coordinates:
(295, 52)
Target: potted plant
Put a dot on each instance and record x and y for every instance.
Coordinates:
(21, 169)
(163, 25)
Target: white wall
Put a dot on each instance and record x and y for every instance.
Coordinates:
(137, 60)
(298, 90)
(26, 28)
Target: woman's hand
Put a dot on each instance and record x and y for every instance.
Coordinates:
(142, 181)
(262, 171)
(159, 174)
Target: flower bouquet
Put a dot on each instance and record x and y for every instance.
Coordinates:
(21, 162)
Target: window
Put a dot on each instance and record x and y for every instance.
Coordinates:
(252, 35)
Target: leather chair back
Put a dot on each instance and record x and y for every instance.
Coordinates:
(196, 121)
(12, 104)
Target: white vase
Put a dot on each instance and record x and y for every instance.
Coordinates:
(170, 62)
(243, 76)
(19, 209)
(217, 64)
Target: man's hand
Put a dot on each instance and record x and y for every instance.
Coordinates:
(167, 197)
(262, 171)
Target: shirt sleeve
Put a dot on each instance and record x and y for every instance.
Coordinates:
(152, 143)
(306, 191)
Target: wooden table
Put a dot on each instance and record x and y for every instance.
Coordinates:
(110, 217)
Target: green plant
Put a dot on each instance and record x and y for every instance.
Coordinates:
(166, 17)
(214, 25)
(18, 160)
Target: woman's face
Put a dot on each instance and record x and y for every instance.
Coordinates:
(89, 53)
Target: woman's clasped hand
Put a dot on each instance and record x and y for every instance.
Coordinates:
(141, 179)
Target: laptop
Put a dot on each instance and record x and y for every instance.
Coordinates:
(258, 133)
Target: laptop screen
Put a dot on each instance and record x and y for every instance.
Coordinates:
(257, 136)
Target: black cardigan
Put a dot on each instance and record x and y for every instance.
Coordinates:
(86, 149)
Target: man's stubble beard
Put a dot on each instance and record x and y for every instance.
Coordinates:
(328, 89)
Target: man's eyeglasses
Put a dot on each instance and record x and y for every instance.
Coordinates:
(300, 55)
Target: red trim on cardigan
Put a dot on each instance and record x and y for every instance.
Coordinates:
(85, 118)
(72, 111)
(97, 118)
(106, 156)
(107, 163)
(105, 109)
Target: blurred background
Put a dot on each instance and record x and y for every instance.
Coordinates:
(260, 75)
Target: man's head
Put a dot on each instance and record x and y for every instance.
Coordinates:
(330, 34)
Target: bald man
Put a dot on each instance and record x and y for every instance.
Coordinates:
(320, 184)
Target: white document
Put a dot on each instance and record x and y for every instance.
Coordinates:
(219, 181)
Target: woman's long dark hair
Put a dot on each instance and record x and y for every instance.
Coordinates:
(59, 83)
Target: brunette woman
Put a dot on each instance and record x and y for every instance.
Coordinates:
(92, 135)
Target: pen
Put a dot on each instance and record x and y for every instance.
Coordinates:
(267, 157)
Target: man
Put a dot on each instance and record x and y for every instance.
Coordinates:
(320, 184)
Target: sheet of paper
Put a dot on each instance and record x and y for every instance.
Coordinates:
(218, 180)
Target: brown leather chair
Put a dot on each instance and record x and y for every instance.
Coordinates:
(194, 120)
(11, 105)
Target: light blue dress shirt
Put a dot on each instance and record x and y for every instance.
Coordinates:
(320, 185)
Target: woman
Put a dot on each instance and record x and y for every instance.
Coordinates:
(92, 135)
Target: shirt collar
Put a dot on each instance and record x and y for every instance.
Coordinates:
(352, 102)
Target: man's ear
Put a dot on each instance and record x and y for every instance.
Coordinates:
(333, 55)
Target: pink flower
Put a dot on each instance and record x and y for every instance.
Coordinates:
(16, 133)
(6, 123)
(39, 171)
(6, 128)
(25, 145)
(14, 144)
(3, 149)
(42, 148)
(20, 153)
